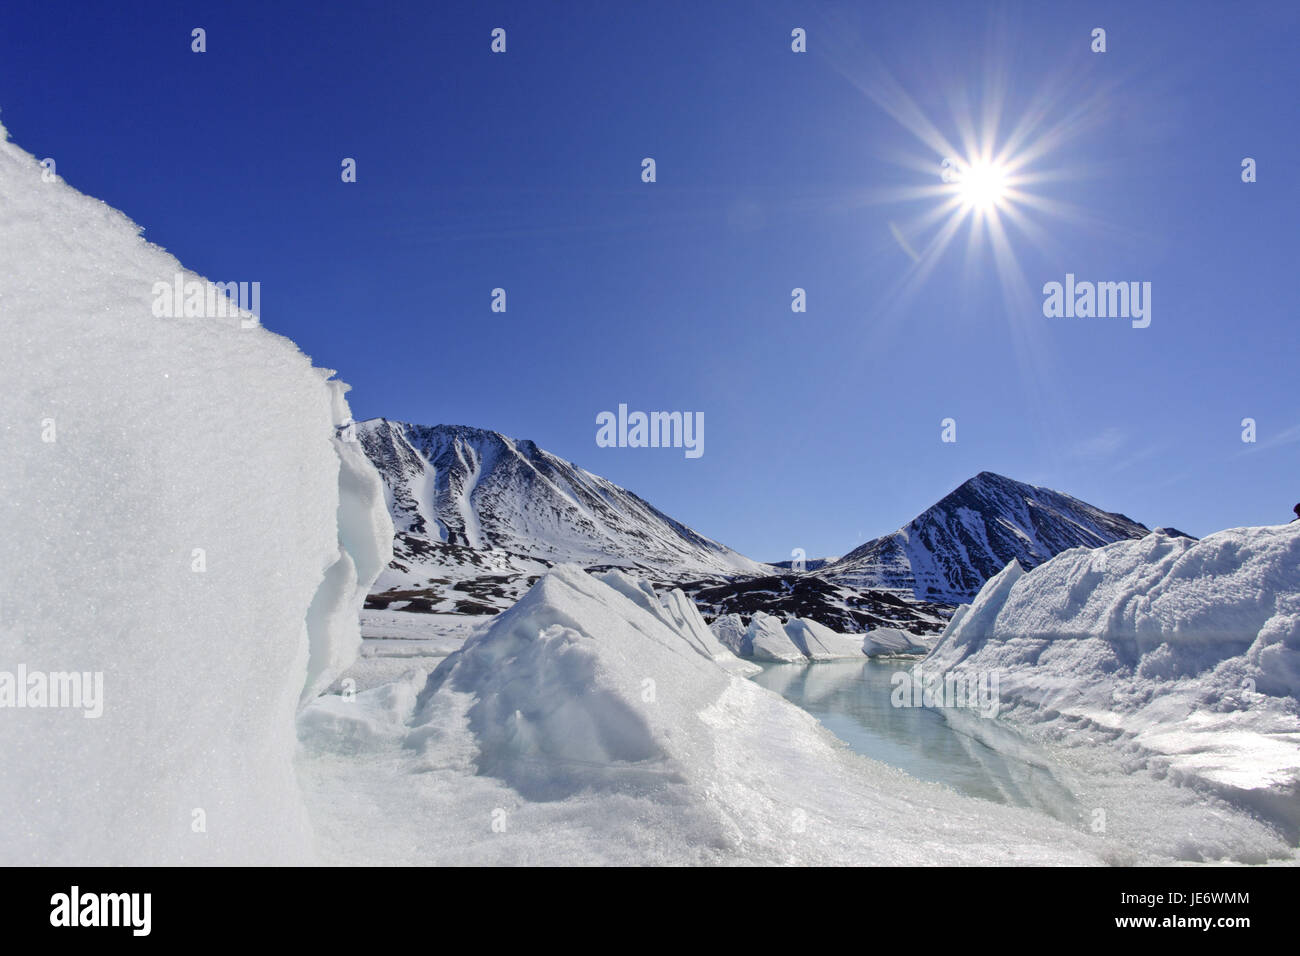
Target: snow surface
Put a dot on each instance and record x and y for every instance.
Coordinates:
(581, 726)
(1182, 654)
(169, 435)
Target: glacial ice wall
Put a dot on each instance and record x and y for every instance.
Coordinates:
(184, 527)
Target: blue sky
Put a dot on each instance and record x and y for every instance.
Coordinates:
(775, 170)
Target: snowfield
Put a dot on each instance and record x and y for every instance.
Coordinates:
(1181, 655)
(179, 516)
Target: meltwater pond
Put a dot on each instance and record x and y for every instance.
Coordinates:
(974, 755)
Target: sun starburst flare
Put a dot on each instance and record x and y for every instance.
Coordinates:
(981, 185)
(995, 177)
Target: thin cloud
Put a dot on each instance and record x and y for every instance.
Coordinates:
(1102, 445)
(1286, 436)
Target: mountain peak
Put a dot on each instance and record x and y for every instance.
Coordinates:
(991, 479)
(948, 551)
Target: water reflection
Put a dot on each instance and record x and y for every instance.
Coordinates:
(973, 755)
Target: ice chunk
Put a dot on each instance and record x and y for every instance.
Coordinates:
(554, 710)
(730, 630)
(797, 641)
(767, 640)
(890, 640)
(819, 643)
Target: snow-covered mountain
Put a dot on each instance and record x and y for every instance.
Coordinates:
(946, 553)
(476, 506)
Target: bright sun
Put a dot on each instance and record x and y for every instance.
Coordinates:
(982, 185)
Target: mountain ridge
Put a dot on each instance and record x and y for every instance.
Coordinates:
(478, 516)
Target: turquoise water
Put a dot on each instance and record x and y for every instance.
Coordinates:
(976, 756)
